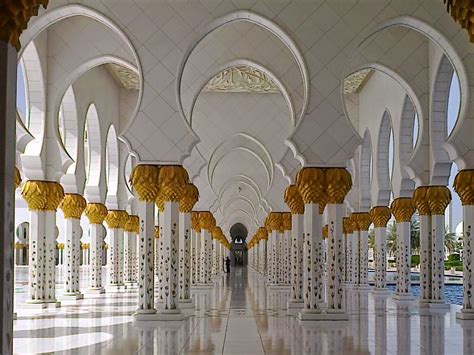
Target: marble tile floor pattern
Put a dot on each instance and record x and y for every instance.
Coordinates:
(240, 316)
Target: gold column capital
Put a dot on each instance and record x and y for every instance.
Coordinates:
(380, 215)
(17, 177)
(216, 233)
(273, 221)
(420, 199)
(338, 183)
(189, 198)
(310, 183)
(195, 220)
(116, 219)
(347, 227)
(403, 209)
(73, 205)
(42, 195)
(286, 221)
(325, 231)
(145, 181)
(133, 224)
(439, 198)
(294, 200)
(156, 232)
(14, 18)
(461, 11)
(206, 220)
(262, 233)
(96, 213)
(464, 186)
(361, 220)
(173, 179)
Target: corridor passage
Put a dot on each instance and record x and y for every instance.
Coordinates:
(239, 315)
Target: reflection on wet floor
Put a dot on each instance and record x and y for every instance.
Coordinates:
(240, 316)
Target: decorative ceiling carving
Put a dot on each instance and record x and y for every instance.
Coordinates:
(242, 79)
(354, 83)
(125, 77)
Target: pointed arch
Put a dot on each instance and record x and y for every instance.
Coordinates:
(383, 163)
(112, 162)
(92, 147)
(365, 172)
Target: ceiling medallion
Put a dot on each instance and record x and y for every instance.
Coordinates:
(462, 12)
(242, 79)
(354, 83)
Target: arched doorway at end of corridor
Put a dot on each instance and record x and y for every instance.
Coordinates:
(238, 255)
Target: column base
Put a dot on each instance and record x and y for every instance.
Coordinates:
(73, 296)
(115, 288)
(170, 315)
(148, 315)
(329, 315)
(95, 291)
(362, 287)
(186, 304)
(295, 304)
(380, 291)
(131, 285)
(202, 286)
(34, 304)
(465, 314)
(403, 297)
(279, 287)
(439, 305)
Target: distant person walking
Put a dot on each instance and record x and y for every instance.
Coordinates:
(227, 264)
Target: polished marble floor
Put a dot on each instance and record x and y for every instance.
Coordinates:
(239, 316)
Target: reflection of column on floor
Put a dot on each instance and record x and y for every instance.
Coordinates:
(380, 324)
(132, 228)
(463, 187)
(403, 329)
(403, 209)
(72, 206)
(380, 216)
(43, 199)
(363, 331)
(96, 213)
(467, 337)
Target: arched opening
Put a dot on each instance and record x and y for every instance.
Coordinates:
(21, 95)
(238, 233)
(365, 172)
(385, 159)
(454, 103)
(92, 147)
(112, 162)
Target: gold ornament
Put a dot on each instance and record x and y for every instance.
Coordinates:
(322, 204)
(361, 221)
(262, 233)
(286, 221)
(347, 225)
(294, 200)
(403, 209)
(160, 203)
(310, 183)
(325, 231)
(85, 246)
(60, 246)
(42, 195)
(73, 205)
(273, 221)
(216, 233)
(206, 220)
(156, 232)
(14, 18)
(462, 11)
(420, 199)
(189, 198)
(116, 219)
(96, 213)
(195, 221)
(17, 178)
(464, 186)
(133, 224)
(145, 181)
(439, 198)
(380, 216)
(338, 184)
(173, 180)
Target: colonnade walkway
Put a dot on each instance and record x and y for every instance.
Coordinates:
(240, 315)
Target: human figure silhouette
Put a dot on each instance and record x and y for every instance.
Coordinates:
(227, 264)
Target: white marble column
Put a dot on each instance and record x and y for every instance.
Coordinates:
(115, 220)
(96, 213)
(262, 246)
(273, 224)
(380, 216)
(188, 200)
(207, 223)
(214, 255)
(297, 236)
(132, 228)
(197, 251)
(464, 189)
(362, 221)
(43, 199)
(145, 181)
(72, 206)
(403, 209)
(439, 198)
(286, 262)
